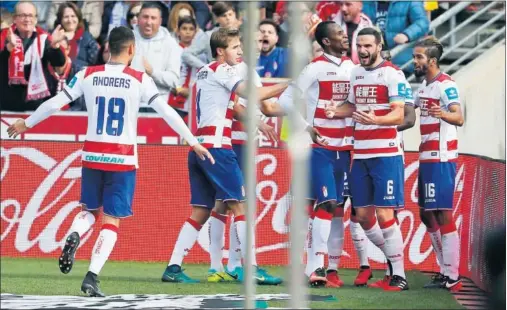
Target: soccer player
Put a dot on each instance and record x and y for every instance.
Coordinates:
(439, 101)
(216, 83)
(376, 103)
(113, 93)
(327, 78)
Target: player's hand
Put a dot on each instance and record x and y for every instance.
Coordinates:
(365, 118)
(147, 67)
(203, 153)
(331, 109)
(12, 38)
(183, 91)
(268, 131)
(57, 36)
(316, 137)
(436, 111)
(17, 128)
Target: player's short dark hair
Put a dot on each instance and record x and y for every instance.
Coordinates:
(432, 48)
(151, 5)
(219, 8)
(272, 23)
(186, 20)
(119, 39)
(220, 39)
(369, 31)
(322, 31)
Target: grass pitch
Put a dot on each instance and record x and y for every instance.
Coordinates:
(26, 276)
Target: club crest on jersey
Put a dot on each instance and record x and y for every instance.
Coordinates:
(324, 191)
(73, 82)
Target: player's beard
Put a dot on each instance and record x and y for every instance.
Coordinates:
(371, 60)
(421, 71)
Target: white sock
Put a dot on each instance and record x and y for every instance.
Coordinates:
(320, 235)
(309, 247)
(360, 243)
(234, 248)
(393, 248)
(436, 241)
(374, 233)
(335, 243)
(216, 230)
(186, 240)
(103, 247)
(82, 222)
(450, 250)
(241, 229)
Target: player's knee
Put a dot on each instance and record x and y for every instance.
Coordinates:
(328, 206)
(339, 211)
(365, 217)
(106, 219)
(444, 217)
(200, 214)
(220, 207)
(237, 208)
(385, 214)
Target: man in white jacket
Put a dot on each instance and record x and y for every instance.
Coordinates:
(157, 52)
(352, 20)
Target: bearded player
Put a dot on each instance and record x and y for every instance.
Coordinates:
(439, 101)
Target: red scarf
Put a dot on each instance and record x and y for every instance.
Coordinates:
(74, 43)
(61, 79)
(37, 85)
(178, 101)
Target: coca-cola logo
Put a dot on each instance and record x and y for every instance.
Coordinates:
(41, 202)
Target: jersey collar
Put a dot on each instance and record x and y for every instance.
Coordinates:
(337, 61)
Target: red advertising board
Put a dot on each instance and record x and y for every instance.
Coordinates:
(41, 187)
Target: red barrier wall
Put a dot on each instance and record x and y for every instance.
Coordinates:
(41, 187)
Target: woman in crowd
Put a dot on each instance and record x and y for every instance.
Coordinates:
(132, 14)
(178, 11)
(84, 50)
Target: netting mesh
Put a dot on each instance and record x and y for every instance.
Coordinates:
(40, 189)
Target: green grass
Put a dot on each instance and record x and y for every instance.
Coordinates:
(42, 277)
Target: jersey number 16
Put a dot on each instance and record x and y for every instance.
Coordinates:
(115, 112)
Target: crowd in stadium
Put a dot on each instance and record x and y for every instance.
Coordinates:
(172, 41)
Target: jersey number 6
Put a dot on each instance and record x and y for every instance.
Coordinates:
(115, 112)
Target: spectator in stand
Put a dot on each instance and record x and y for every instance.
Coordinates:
(43, 8)
(115, 14)
(24, 86)
(178, 11)
(202, 13)
(273, 60)
(352, 20)
(133, 14)
(179, 97)
(91, 11)
(400, 22)
(84, 50)
(430, 6)
(157, 52)
(327, 10)
(225, 16)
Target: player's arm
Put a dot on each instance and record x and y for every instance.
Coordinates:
(408, 118)
(264, 92)
(71, 92)
(344, 110)
(241, 115)
(450, 99)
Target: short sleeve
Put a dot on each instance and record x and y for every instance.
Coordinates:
(228, 76)
(74, 89)
(409, 96)
(396, 85)
(307, 77)
(449, 93)
(149, 90)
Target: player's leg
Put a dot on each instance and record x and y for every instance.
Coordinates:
(444, 192)
(336, 236)
(428, 207)
(308, 245)
(388, 186)
(360, 241)
(118, 192)
(202, 201)
(323, 190)
(91, 201)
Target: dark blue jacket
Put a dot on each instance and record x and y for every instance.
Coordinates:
(87, 52)
(407, 17)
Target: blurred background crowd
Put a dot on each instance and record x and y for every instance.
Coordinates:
(55, 39)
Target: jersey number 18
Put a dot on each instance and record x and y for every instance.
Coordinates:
(115, 112)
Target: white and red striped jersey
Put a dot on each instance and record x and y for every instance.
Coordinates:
(113, 94)
(439, 139)
(215, 85)
(325, 78)
(374, 89)
(239, 135)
